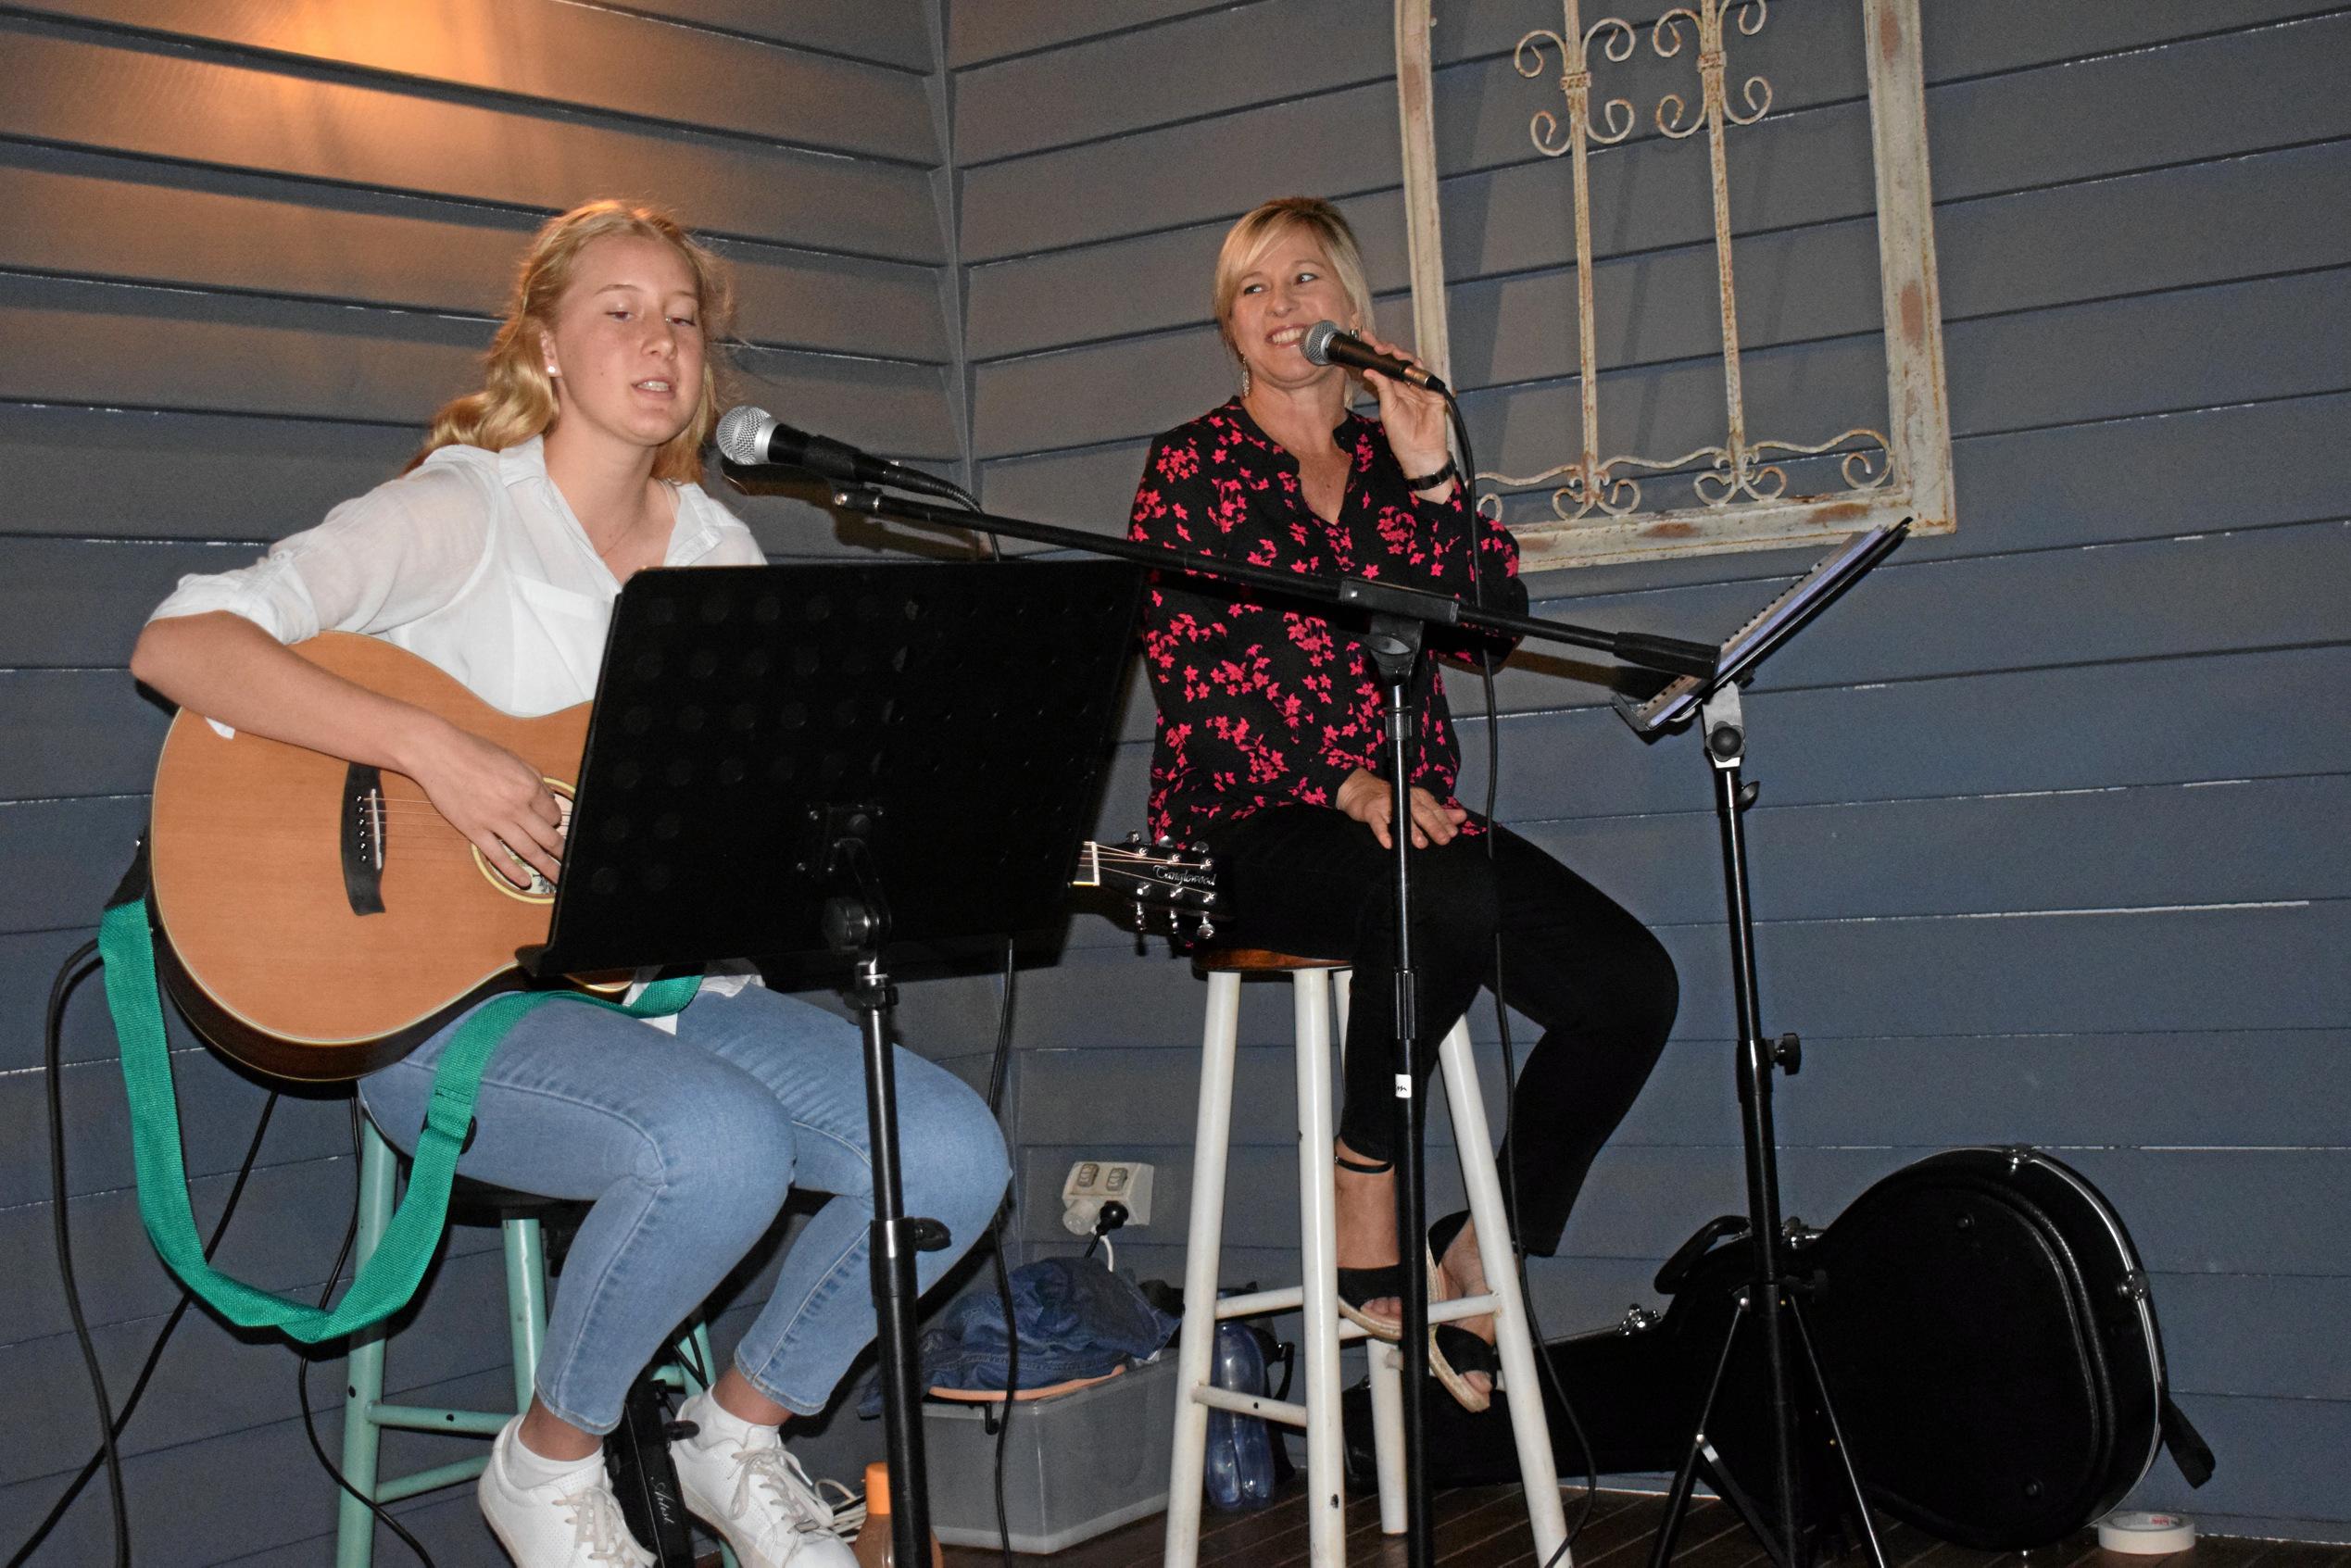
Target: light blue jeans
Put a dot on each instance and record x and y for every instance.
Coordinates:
(686, 1147)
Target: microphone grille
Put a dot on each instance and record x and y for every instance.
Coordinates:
(743, 432)
(1316, 344)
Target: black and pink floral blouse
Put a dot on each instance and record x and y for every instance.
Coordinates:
(1260, 703)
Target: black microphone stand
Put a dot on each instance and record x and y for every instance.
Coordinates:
(1400, 623)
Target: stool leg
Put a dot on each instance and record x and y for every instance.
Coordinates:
(525, 1303)
(363, 1362)
(1387, 1367)
(1318, 1227)
(704, 1358)
(1203, 1248)
(1388, 1433)
(1529, 1426)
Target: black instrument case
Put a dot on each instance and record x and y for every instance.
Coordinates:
(1981, 1320)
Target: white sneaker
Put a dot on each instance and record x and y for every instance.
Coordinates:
(757, 1496)
(573, 1522)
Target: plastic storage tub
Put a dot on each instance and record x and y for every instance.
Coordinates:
(1076, 1464)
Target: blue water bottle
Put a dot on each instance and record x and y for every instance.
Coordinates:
(1239, 1471)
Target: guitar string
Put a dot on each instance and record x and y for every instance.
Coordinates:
(410, 812)
(446, 845)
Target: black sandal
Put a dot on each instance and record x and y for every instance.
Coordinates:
(1359, 1285)
(1453, 1351)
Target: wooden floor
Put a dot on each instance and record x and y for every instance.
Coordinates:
(1486, 1527)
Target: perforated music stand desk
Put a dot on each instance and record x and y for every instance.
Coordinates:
(1766, 630)
(970, 708)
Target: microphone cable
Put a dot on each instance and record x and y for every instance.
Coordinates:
(78, 965)
(1548, 1373)
(970, 504)
(998, 1069)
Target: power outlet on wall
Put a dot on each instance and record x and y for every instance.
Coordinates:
(1093, 1183)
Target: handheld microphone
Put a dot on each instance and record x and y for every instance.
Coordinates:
(754, 437)
(1325, 344)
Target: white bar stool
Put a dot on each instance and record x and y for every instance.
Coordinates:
(1316, 1297)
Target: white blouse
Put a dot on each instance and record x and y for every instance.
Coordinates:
(474, 562)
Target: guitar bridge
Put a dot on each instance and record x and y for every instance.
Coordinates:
(363, 839)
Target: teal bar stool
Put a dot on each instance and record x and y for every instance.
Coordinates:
(366, 1413)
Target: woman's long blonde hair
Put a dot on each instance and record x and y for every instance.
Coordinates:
(517, 400)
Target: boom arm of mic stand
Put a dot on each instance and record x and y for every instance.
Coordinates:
(1671, 654)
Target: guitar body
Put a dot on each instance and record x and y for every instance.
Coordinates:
(321, 919)
(266, 859)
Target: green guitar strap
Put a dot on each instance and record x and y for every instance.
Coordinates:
(384, 1283)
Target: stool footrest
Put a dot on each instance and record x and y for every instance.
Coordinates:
(431, 1480)
(427, 1418)
(1258, 1302)
(1464, 1307)
(1283, 1411)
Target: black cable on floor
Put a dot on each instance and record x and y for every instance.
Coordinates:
(78, 964)
(75, 969)
(302, 1362)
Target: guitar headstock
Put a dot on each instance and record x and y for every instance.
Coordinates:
(1169, 883)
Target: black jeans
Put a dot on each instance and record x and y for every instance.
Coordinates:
(1312, 881)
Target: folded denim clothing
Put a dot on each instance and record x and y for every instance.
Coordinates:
(1075, 1319)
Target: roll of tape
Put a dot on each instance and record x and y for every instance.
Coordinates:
(2146, 1534)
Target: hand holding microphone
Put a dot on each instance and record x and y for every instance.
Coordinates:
(1412, 403)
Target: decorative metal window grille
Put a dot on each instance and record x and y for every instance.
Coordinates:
(1732, 494)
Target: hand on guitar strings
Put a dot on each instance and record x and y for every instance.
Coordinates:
(496, 800)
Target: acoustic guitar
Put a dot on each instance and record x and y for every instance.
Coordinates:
(321, 919)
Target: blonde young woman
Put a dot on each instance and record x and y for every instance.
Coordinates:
(1270, 747)
(498, 557)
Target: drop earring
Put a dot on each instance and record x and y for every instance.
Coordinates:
(1244, 378)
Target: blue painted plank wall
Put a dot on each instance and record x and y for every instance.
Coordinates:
(2046, 848)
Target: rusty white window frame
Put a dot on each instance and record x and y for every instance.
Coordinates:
(1902, 472)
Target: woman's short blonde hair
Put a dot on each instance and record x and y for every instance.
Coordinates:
(517, 400)
(1247, 241)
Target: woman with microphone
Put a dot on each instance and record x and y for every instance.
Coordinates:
(1270, 747)
(497, 558)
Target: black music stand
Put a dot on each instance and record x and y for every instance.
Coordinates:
(845, 763)
(1769, 1297)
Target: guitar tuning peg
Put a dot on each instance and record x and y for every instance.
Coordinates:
(1134, 837)
(1206, 898)
(1162, 841)
(1200, 846)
